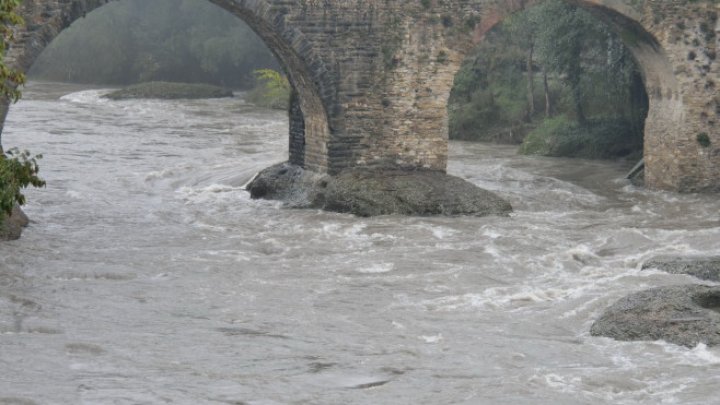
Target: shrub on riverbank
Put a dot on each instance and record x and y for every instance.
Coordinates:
(169, 91)
(271, 91)
(18, 170)
(596, 139)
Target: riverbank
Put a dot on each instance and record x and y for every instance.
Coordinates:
(169, 91)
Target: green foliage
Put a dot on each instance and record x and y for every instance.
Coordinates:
(18, 170)
(10, 78)
(135, 41)
(573, 65)
(271, 91)
(597, 139)
(703, 139)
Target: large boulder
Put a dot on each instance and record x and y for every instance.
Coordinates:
(685, 315)
(706, 268)
(11, 226)
(366, 192)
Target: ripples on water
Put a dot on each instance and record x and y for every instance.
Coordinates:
(148, 276)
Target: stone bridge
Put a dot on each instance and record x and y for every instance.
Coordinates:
(372, 77)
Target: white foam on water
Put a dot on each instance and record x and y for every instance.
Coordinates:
(74, 194)
(698, 356)
(441, 232)
(431, 339)
(213, 193)
(377, 268)
(506, 298)
(93, 97)
(161, 174)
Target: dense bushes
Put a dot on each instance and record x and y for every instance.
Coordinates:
(596, 139)
(271, 91)
(18, 170)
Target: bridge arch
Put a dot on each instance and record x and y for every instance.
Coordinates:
(310, 130)
(665, 116)
(674, 43)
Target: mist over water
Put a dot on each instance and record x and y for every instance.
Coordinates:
(148, 275)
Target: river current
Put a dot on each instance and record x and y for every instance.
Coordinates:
(149, 276)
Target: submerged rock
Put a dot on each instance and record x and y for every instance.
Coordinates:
(169, 91)
(706, 268)
(685, 315)
(366, 192)
(11, 226)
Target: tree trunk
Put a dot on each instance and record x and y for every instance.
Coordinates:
(548, 105)
(577, 100)
(530, 83)
(4, 108)
(574, 73)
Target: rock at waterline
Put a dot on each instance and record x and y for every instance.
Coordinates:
(11, 226)
(169, 91)
(685, 315)
(366, 193)
(705, 268)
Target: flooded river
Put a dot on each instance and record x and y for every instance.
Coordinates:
(148, 276)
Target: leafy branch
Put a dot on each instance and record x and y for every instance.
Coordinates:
(18, 170)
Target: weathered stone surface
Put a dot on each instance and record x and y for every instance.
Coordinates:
(685, 315)
(19, 217)
(366, 192)
(288, 183)
(706, 268)
(9, 230)
(11, 227)
(373, 77)
(169, 91)
(420, 192)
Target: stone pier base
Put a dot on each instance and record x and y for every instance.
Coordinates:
(366, 192)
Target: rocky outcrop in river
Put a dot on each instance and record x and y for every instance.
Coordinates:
(685, 315)
(366, 192)
(11, 226)
(705, 268)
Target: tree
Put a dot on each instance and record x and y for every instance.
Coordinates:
(590, 81)
(10, 78)
(17, 169)
(273, 90)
